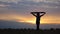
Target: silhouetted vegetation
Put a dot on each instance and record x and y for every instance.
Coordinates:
(29, 31)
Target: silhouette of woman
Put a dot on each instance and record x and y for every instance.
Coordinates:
(38, 15)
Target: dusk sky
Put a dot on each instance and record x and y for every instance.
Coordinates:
(19, 10)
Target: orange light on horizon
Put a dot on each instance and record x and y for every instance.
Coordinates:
(32, 20)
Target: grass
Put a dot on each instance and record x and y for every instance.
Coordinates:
(29, 31)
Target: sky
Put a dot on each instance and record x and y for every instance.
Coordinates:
(19, 10)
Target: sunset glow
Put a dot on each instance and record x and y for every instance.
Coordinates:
(44, 20)
(19, 11)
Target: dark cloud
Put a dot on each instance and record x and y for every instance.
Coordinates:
(30, 4)
(25, 7)
(14, 24)
(22, 7)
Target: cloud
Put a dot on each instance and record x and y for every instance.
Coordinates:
(10, 0)
(1, 5)
(31, 3)
(24, 7)
(32, 0)
(41, 4)
(28, 6)
(14, 24)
